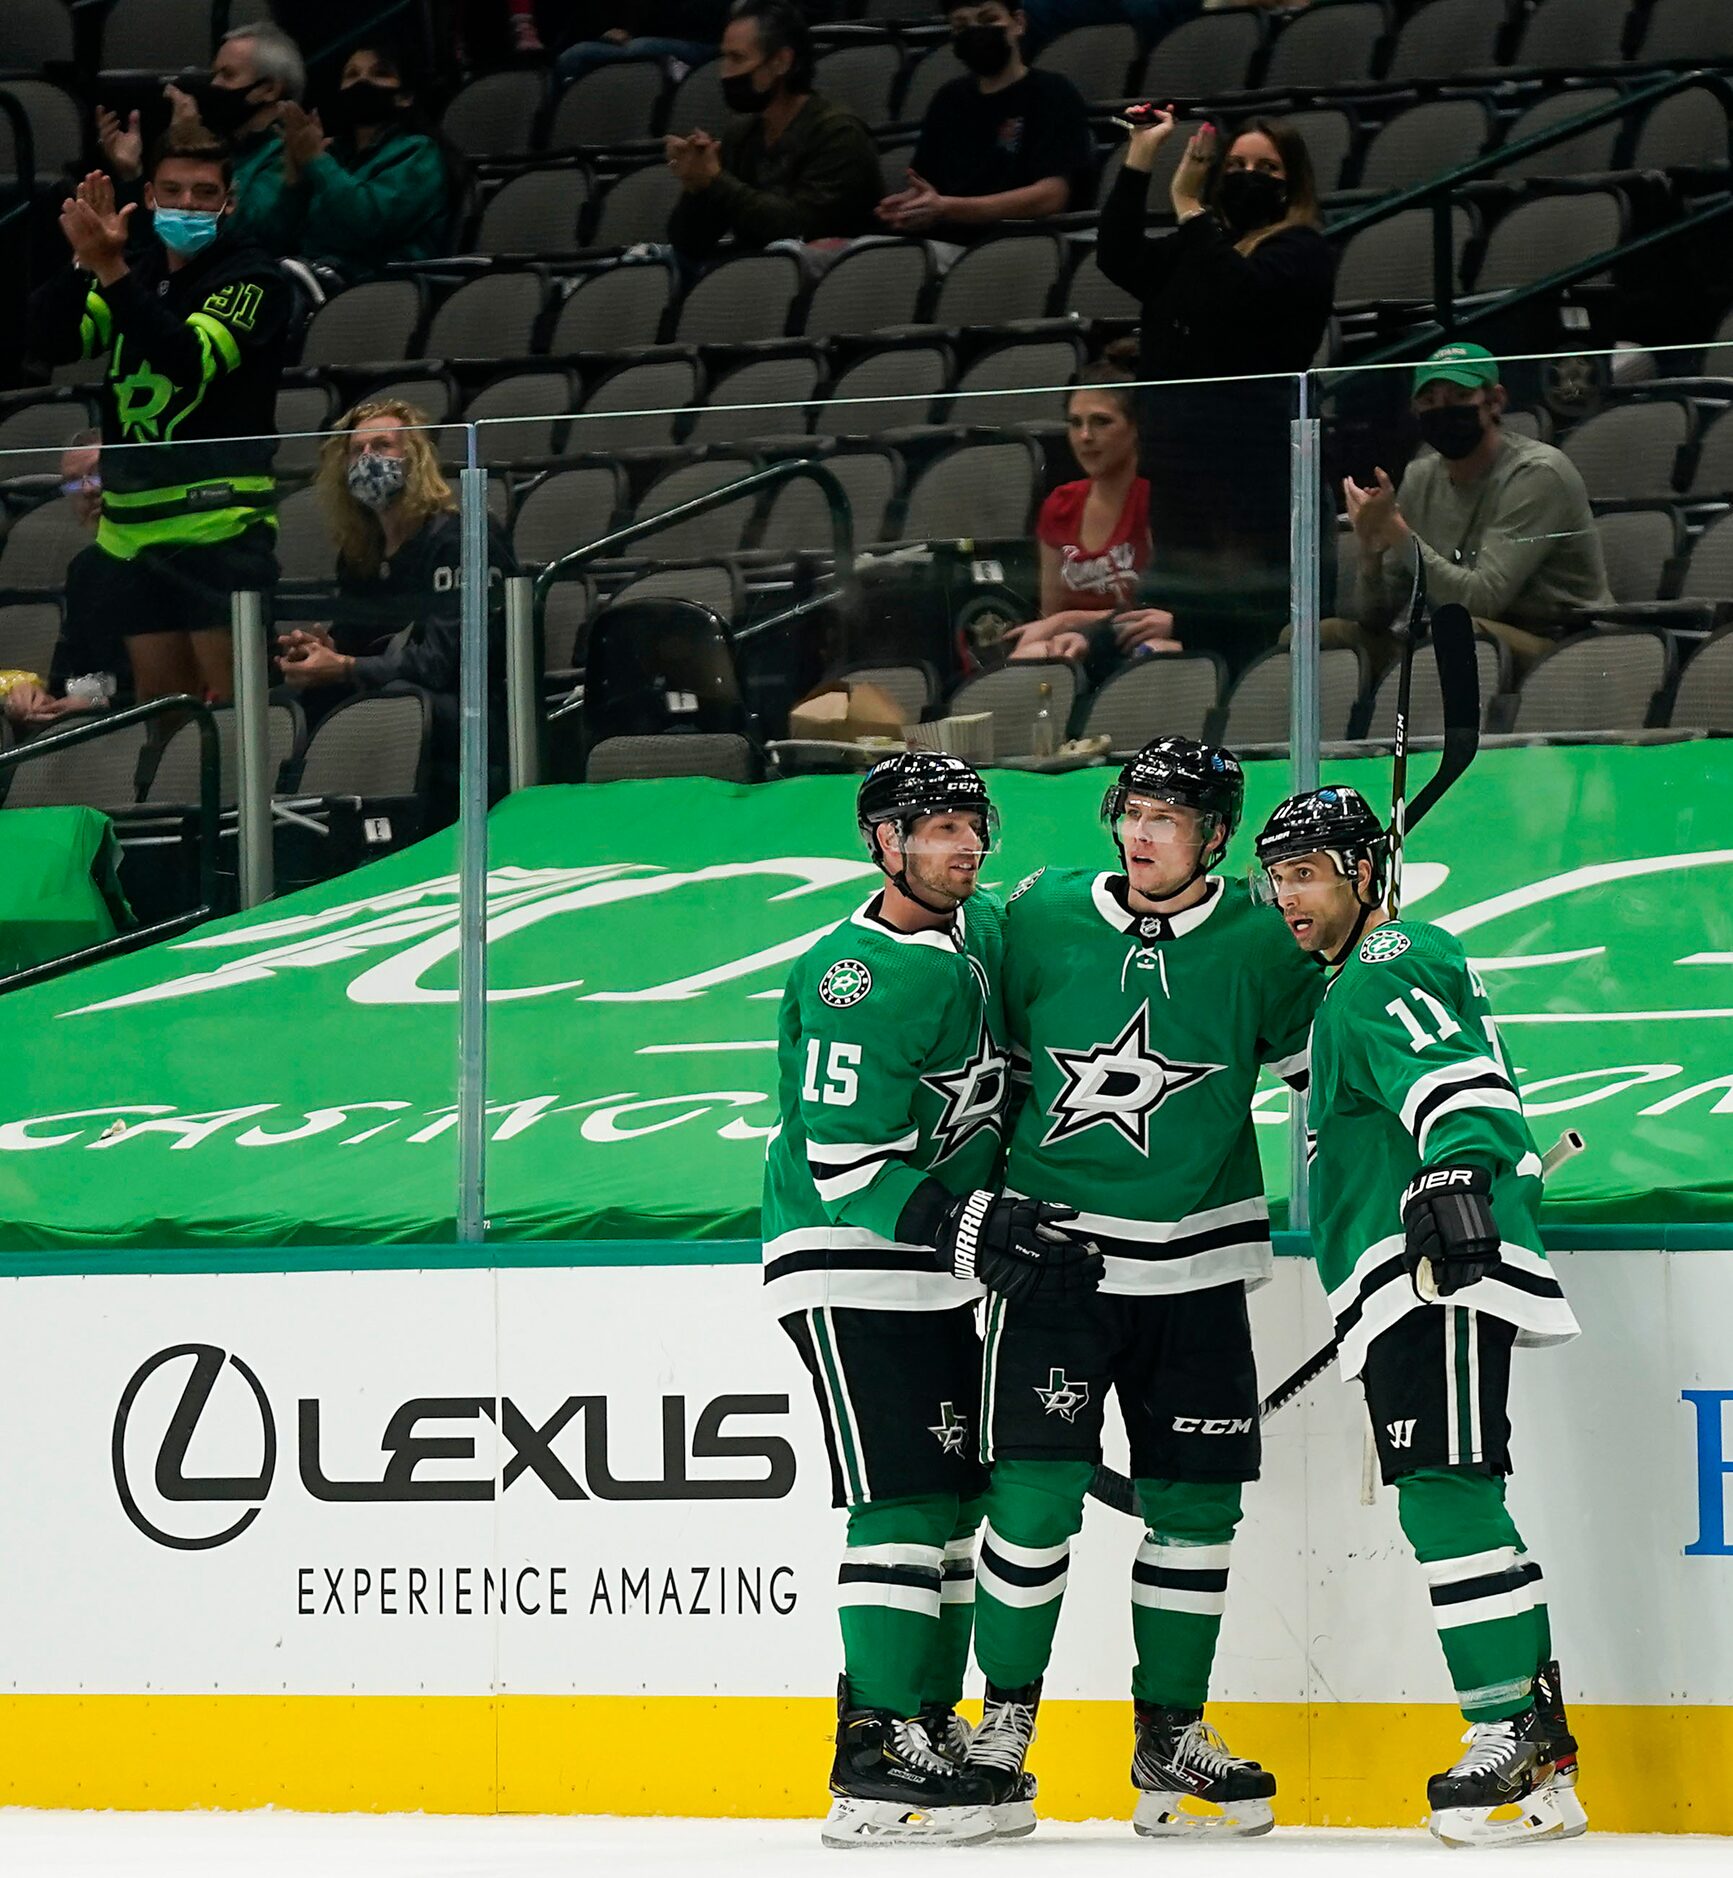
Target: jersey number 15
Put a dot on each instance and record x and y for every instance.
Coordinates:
(841, 1084)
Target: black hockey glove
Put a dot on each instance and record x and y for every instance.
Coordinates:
(1451, 1237)
(1015, 1247)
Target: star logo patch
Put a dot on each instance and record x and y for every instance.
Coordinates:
(1380, 947)
(1061, 1397)
(1119, 1084)
(952, 1431)
(846, 983)
(974, 1095)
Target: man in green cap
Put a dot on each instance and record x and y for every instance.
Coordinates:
(1503, 523)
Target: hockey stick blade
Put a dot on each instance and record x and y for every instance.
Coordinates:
(1459, 686)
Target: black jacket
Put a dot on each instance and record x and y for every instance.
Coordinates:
(1208, 310)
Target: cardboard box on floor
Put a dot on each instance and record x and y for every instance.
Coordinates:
(846, 710)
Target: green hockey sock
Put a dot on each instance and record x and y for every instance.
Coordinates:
(1482, 1594)
(1542, 1618)
(889, 1598)
(1033, 1510)
(1179, 1587)
(949, 1657)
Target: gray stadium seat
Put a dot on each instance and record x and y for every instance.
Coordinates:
(1638, 545)
(1631, 450)
(1092, 296)
(713, 584)
(1588, 151)
(436, 398)
(637, 207)
(609, 104)
(1392, 260)
(913, 687)
(38, 33)
(522, 415)
(869, 289)
(496, 115)
(1329, 139)
(1330, 44)
(1098, 60)
(861, 79)
(1688, 32)
(721, 531)
(1009, 278)
(886, 390)
(634, 408)
(567, 510)
(373, 322)
(153, 35)
(894, 162)
(100, 774)
(40, 545)
(56, 131)
(774, 393)
(982, 491)
(1447, 38)
(490, 318)
(1166, 695)
(1718, 355)
(925, 79)
(1688, 131)
(1566, 35)
(28, 630)
(1712, 479)
(1203, 57)
(1425, 141)
(535, 213)
(566, 609)
(798, 521)
(305, 550)
(697, 103)
(1257, 707)
(1158, 195)
(1028, 372)
(176, 777)
(1704, 700)
(1426, 699)
(303, 415)
(747, 297)
(1593, 681)
(1709, 572)
(1013, 695)
(369, 747)
(1542, 236)
(690, 753)
(616, 310)
(33, 434)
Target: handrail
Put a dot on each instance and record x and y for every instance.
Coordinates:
(773, 475)
(210, 778)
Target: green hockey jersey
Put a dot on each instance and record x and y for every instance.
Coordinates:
(1408, 1072)
(892, 1068)
(1140, 1039)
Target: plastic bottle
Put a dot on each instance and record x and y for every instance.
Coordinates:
(1044, 733)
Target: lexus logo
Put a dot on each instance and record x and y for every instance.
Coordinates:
(168, 1477)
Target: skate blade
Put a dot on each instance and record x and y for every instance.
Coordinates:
(1164, 1816)
(854, 1824)
(1014, 1820)
(1528, 1821)
(1562, 1788)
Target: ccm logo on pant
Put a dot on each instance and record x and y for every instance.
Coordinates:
(1193, 1425)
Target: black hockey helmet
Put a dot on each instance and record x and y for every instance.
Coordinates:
(1180, 769)
(921, 782)
(1333, 820)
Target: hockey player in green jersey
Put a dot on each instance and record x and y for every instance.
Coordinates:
(880, 1232)
(1426, 1192)
(1140, 1005)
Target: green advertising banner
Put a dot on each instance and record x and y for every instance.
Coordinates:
(288, 1077)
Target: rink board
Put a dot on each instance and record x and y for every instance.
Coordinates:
(273, 1518)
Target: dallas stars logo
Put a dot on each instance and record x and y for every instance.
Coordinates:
(1061, 1397)
(846, 983)
(952, 1432)
(140, 399)
(1121, 1084)
(1380, 947)
(974, 1096)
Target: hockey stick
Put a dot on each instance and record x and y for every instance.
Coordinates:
(1115, 1490)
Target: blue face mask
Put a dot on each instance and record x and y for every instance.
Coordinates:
(186, 231)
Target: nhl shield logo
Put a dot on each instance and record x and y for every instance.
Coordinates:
(1382, 946)
(846, 983)
(1062, 1397)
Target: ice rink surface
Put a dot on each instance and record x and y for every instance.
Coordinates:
(308, 1845)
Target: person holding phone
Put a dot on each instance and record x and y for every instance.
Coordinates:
(1239, 290)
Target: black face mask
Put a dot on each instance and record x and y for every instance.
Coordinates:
(985, 50)
(222, 109)
(743, 97)
(1252, 198)
(1453, 430)
(365, 103)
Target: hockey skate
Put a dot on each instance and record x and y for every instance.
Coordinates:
(1549, 1703)
(1179, 1757)
(947, 1731)
(998, 1749)
(1499, 1792)
(892, 1787)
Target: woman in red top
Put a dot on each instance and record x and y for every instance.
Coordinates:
(1094, 537)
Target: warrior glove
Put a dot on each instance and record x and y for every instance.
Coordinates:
(1014, 1247)
(1451, 1238)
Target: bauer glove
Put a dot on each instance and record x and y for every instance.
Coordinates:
(1015, 1247)
(1450, 1237)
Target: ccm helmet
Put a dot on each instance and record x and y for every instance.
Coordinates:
(1179, 769)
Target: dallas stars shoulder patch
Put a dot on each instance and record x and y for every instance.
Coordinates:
(846, 983)
(1023, 886)
(1380, 947)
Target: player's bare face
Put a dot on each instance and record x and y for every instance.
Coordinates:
(944, 855)
(1162, 842)
(1318, 903)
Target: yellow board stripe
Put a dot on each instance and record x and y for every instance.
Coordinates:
(1658, 1769)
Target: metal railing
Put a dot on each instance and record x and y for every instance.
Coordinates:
(210, 783)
